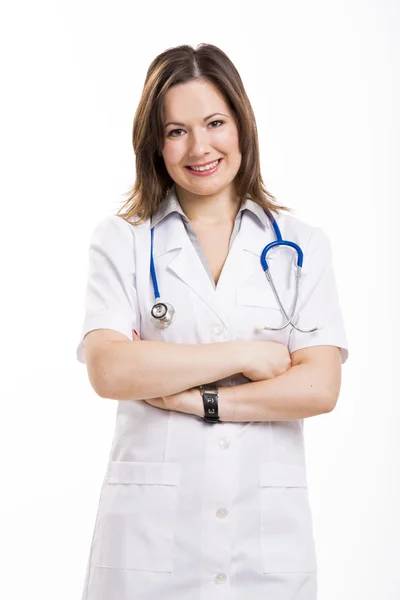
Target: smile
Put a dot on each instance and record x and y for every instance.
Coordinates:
(208, 169)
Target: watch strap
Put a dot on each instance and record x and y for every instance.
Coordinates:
(209, 394)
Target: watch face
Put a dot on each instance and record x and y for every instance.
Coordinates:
(210, 399)
(210, 404)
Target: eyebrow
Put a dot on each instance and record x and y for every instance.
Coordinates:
(205, 119)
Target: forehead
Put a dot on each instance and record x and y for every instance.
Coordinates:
(192, 100)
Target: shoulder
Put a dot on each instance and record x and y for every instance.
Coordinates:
(308, 237)
(113, 243)
(114, 227)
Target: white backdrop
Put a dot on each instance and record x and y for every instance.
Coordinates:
(323, 79)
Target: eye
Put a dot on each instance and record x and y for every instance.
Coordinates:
(219, 121)
(172, 132)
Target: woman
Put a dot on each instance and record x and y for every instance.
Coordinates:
(205, 493)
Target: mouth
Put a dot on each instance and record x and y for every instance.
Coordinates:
(206, 169)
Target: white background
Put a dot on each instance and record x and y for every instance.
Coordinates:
(323, 79)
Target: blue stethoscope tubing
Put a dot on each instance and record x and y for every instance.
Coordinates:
(153, 269)
(263, 259)
(162, 314)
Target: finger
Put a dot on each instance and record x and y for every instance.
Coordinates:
(157, 402)
(135, 335)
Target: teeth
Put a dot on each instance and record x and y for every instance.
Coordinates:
(211, 166)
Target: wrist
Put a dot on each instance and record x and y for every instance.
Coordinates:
(227, 404)
(188, 401)
(196, 402)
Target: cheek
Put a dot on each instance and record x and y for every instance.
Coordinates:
(229, 141)
(173, 154)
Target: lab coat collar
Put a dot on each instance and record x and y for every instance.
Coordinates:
(242, 262)
(170, 205)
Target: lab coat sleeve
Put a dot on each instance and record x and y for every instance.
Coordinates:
(318, 304)
(110, 299)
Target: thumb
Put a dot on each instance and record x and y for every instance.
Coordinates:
(135, 335)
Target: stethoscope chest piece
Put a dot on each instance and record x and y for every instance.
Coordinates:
(162, 315)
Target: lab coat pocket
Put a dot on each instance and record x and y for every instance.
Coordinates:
(254, 312)
(287, 540)
(257, 291)
(136, 521)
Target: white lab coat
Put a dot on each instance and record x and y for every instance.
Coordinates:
(190, 510)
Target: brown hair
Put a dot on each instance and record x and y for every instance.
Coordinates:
(175, 66)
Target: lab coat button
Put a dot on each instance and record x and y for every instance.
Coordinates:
(221, 513)
(216, 330)
(220, 578)
(224, 443)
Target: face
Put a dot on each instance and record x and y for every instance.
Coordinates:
(200, 128)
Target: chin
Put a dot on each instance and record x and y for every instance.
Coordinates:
(203, 188)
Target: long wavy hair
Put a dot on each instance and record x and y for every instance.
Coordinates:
(206, 63)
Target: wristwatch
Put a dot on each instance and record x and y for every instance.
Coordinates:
(209, 393)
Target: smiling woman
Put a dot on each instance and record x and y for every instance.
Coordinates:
(206, 482)
(193, 111)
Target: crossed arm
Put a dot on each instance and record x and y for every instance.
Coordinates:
(309, 387)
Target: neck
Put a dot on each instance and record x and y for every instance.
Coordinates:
(214, 209)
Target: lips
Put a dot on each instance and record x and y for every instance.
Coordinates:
(205, 172)
(205, 164)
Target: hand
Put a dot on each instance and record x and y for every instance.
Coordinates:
(265, 360)
(135, 336)
(188, 402)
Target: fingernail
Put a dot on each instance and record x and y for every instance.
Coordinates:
(135, 332)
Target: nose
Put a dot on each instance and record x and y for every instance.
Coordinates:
(199, 143)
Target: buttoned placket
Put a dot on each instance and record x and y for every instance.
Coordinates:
(222, 460)
(218, 524)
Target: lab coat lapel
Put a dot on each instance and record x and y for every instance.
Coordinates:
(169, 236)
(244, 257)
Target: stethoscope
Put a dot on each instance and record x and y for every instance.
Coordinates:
(162, 314)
